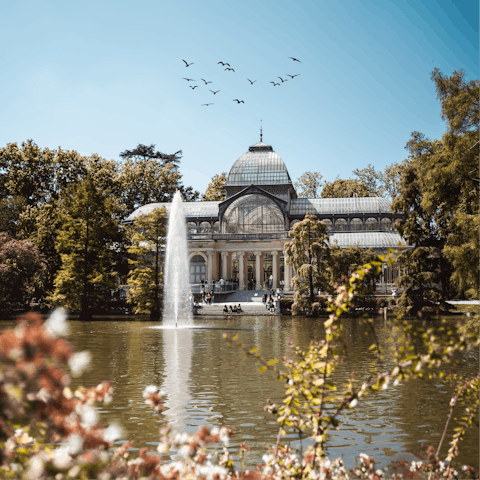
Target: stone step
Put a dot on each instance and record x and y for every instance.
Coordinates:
(248, 308)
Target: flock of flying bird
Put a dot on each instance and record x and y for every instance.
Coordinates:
(229, 68)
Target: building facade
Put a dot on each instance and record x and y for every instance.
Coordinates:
(241, 239)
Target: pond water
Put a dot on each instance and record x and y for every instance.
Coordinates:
(207, 382)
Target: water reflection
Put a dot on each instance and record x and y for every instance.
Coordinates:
(177, 355)
(208, 382)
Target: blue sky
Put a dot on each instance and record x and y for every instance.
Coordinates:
(103, 76)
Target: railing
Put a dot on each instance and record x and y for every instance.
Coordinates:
(227, 287)
(237, 236)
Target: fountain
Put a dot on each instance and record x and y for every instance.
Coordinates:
(176, 292)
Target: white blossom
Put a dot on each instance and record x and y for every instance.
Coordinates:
(56, 324)
(112, 433)
(79, 361)
(353, 403)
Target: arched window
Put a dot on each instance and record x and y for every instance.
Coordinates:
(216, 227)
(205, 227)
(356, 224)
(253, 214)
(386, 224)
(340, 225)
(371, 224)
(329, 224)
(192, 228)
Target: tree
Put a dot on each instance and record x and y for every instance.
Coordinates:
(309, 185)
(426, 277)
(371, 178)
(445, 206)
(215, 191)
(21, 268)
(148, 176)
(148, 245)
(346, 188)
(308, 253)
(344, 261)
(88, 235)
(27, 172)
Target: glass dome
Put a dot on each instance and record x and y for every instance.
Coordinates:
(253, 214)
(259, 166)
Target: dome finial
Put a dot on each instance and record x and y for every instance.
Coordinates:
(261, 131)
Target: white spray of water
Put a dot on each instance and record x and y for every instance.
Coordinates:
(177, 302)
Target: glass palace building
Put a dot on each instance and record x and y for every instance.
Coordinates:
(241, 239)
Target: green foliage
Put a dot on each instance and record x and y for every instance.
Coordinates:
(314, 402)
(381, 184)
(21, 270)
(215, 191)
(145, 279)
(439, 194)
(308, 253)
(88, 235)
(148, 176)
(346, 188)
(344, 261)
(309, 185)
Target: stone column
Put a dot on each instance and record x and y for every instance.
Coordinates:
(286, 275)
(258, 279)
(274, 270)
(210, 267)
(241, 274)
(224, 265)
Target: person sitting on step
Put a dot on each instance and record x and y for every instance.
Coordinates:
(231, 309)
(239, 308)
(225, 309)
(234, 309)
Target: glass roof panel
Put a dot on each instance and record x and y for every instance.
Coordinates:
(368, 239)
(258, 167)
(191, 209)
(300, 206)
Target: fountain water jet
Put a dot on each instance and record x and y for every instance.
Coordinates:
(176, 291)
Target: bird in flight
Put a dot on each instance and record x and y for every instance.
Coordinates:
(275, 84)
(186, 63)
(206, 104)
(189, 79)
(206, 83)
(291, 76)
(238, 101)
(214, 92)
(223, 63)
(295, 59)
(194, 87)
(251, 81)
(229, 68)
(282, 79)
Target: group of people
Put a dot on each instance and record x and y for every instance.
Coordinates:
(267, 299)
(233, 309)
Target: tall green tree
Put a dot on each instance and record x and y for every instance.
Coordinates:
(346, 188)
(426, 272)
(150, 176)
(309, 185)
(87, 238)
(308, 252)
(441, 206)
(215, 191)
(145, 279)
